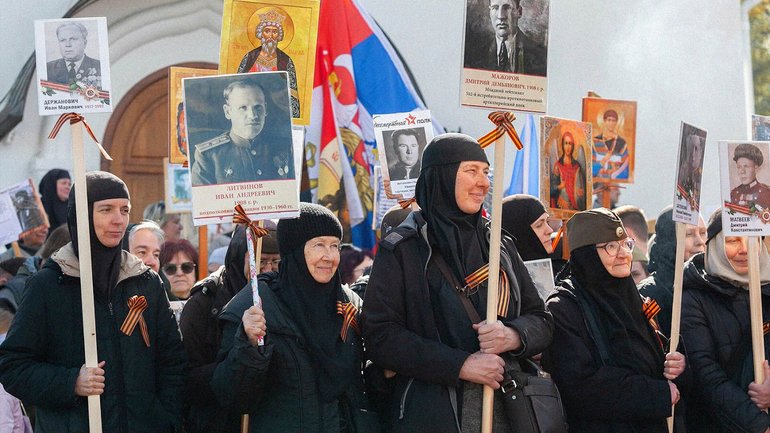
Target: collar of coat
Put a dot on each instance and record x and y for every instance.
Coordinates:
(65, 257)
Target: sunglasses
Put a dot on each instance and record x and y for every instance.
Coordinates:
(187, 268)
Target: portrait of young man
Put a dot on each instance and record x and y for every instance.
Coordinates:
(748, 159)
(407, 145)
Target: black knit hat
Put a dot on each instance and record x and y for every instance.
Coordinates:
(101, 185)
(452, 148)
(314, 220)
(594, 227)
(715, 225)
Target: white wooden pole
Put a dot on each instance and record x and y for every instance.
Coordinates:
(755, 308)
(676, 310)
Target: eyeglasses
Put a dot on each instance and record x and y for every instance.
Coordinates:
(613, 248)
(274, 262)
(187, 268)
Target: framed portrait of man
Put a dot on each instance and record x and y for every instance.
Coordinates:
(178, 188)
(273, 35)
(73, 66)
(241, 148)
(177, 134)
(566, 181)
(401, 140)
(692, 144)
(21, 211)
(744, 177)
(505, 55)
(614, 141)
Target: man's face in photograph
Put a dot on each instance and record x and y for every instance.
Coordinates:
(747, 170)
(72, 44)
(505, 16)
(408, 149)
(245, 108)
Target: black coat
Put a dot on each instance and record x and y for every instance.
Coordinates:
(276, 384)
(43, 352)
(599, 398)
(715, 331)
(401, 334)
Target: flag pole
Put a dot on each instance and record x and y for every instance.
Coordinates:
(676, 310)
(494, 269)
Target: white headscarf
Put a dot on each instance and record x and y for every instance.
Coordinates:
(717, 264)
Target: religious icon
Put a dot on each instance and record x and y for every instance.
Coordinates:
(614, 141)
(177, 146)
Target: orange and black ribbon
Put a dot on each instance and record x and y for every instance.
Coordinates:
(504, 122)
(557, 238)
(74, 118)
(136, 306)
(650, 308)
(480, 275)
(349, 313)
(765, 328)
(406, 203)
(240, 217)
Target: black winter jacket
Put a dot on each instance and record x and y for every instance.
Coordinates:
(716, 332)
(401, 333)
(276, 384)
(599, 398)
(43, 353)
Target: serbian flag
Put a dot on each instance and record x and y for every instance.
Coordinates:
(358, 73)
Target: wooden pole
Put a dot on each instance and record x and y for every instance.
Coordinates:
(16, 249)
(676, 309)
(203, 251)
(606, 196)
(755, 308)
(494, 269)
(86, 273)
(255, 258)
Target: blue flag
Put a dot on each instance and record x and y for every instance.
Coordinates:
(526, 167)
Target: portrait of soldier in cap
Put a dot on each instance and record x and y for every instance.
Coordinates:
(268, 57)
(748, 159)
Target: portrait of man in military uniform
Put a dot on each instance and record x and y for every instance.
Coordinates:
(257, 144)
(750, 192)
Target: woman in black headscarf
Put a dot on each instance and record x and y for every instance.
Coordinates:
(606, 357)
(202, 336)
(54, 190)
(416, 324)
(307, 376)
(526, 220)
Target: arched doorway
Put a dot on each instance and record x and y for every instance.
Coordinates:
(137, 138)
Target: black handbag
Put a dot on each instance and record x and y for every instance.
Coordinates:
(530, 398)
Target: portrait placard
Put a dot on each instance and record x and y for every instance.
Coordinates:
(566, 184)
(273, 35)
(178, 188)
(177, 135)
(382, 203)
(760, 127)
(692, 142)
(21, 211)
(744, 176)
(241, 148)
(505, 55)
(73, 66)
(541, 272)
(401, 140)
(614, 142)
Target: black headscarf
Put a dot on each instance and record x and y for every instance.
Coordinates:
(55, 208)
(312, 305)
(234, 263)
(617, 307)
(519, 212)
(105, 262)
(458, 236)
(663, 250)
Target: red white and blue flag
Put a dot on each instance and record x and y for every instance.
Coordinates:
(358, 73)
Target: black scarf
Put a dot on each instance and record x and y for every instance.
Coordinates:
(105, 262)
(234, 280)
(313, 308)
(459, 237)
(54, 208)
(519, 212)
(617, 307)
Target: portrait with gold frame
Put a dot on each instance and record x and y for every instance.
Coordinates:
(277, 35)
(177, 134)
(614, 143)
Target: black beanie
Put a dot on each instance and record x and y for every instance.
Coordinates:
(314, 220)
(452, 148)
(715, 224)
(100, 185)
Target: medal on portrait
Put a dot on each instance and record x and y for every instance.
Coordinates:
(273, 35)
(614, 140)
(566, 181)
(744, 176)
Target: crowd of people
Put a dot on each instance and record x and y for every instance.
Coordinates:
(391, 340)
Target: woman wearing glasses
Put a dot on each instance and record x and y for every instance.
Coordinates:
(606, 356)
(715, 327)
(178, 260)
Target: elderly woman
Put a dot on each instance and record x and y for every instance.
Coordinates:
(606, 357)
(419, 318)
(307, 376)
(715, 327)
(178, 260)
